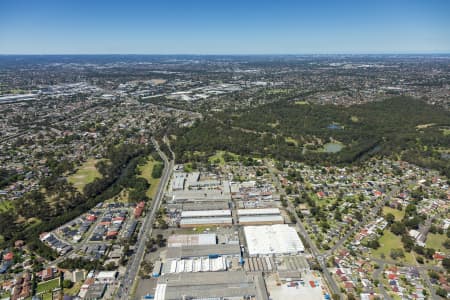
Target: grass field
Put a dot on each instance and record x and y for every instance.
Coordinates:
(291, 140)
(47, 296)
(146, 172)
(218, 157)
(301, 102)
(435, 240)
(122, 197)
(390, 241)
(6, 205)
(445, 131)
(274, 125)
(398, 214)
(85, 174)
(354, 119)
(47, 286)
(73, 291)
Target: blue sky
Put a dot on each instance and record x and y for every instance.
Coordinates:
(224, 27)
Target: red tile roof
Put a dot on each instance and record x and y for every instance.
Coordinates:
(8, 256)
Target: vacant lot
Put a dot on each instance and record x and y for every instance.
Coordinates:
(47, 285)
(5, 205)
(85, 174)
(146, 172)
(390, 241)
(435, 240)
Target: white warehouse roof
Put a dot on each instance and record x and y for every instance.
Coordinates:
(274, 239)
(107, 275)
(258, 211)
(261, 219)
(206, 213)
(206, 221)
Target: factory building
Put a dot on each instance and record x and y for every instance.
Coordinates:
(202, 264)
(261, 220)
(279, 239)
(179, 240)
(205, 213)
(183, 252)
(206, 218)
(260, 216)
(258, 211)
(205, 205)
(178, 181)
(195, 222)
(216, 285)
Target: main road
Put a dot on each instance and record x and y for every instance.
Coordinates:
(133, 265)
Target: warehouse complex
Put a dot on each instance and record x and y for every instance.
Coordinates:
(228, 241)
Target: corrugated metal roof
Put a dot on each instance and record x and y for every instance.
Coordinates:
(273, 239)
(258, 211)
(206, 213)
(206, 221)
(270, 218)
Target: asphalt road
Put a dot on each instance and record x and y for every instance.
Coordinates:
(377, 275)
(145, 232)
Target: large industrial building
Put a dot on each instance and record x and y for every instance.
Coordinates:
(178, 181)
(205, 213)
(279, 239)
(261, 220)
(206, 218)
(200, 258)
(182, 252)
(260, 216)
(202, 264)
(179, 240)
(217, 285)
(195, 222)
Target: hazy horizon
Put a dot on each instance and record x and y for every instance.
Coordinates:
(231, 28)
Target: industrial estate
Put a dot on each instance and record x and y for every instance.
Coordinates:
(137, 177)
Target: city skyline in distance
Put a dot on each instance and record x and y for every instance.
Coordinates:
(229, 28)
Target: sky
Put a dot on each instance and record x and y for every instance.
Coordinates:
(224, 27)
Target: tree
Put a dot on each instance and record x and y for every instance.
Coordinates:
(396, 253)
(419, 249)
(67, 284)
(398, 228)
(446, 263)
(413, 222)
(433, 274)
(441, 292)
(157, 170)
(446, 244)
(374, 244)
(410, 210)
(358, 216)
(408, 242)
(429, 252)
(390, 218)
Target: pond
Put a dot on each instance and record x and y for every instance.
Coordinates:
(332, 147)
